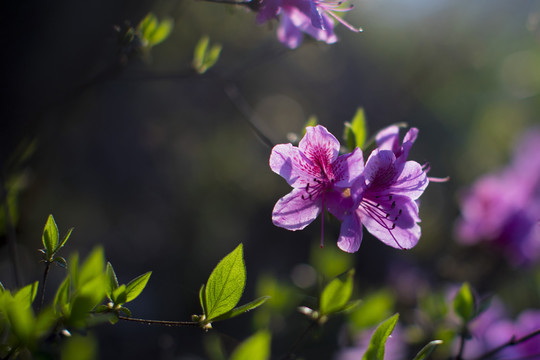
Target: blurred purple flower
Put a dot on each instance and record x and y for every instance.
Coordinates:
(385, 197)
(313, 17)
(316, 173)
(503, 208)
(493, 328)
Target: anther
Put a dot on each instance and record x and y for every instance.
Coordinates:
(393, 204)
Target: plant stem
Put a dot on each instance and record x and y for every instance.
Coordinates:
(43, 284)
(513, 341)
(160, 322)
(290, 354)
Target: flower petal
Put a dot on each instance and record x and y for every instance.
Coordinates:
(388, 138)
(350, 236)
(295, 212)
(288, 162)
(380, 170)
(412, 180)
(348, 168)
(393, 221)
(288, 33)
(319, 142)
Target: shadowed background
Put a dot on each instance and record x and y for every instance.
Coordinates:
(160, 166)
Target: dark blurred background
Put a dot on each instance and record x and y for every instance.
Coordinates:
(163, 169)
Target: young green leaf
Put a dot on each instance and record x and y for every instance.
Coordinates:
(162, 32)
(336, 294)
(200, 52)
(136, 286)
(62, 296)
(26, 295)
(60, 261)
(356, 131)
(464, 303)
(225, 284)
(242, 309)
(427, 350)
(377, 343)
(93, 266)
(119, 295)
(50, 237)
(64, 240)
(113, 280)
(202, 299)
(256, 347)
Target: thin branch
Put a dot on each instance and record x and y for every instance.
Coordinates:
(160, 322)
(459, 355)
(43, 284)
(290, 354)
(513, 341)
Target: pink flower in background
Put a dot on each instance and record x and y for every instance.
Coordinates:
(312, 17)
(317, 174)
(503, 208)
(385, 198)
(493, 328)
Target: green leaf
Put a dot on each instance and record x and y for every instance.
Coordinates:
(464, 303)
(60, 261)
(50, 236)
(202, 299)
(377, 343)
(311, 121)
(147, 26)
(119, 295)
(375, 308)
(125, 310)
(199, 53)
(21, 318)
(93, 266)
(226, 284)
(356, 130)
(161, 32)
(212, 56)
(62, 296)
(427, 350)
(242, 309)
(27, 294)
(136, 286)
(80, 348)
(256, 347)
(336, 294)
(64, 240)
(113, 280)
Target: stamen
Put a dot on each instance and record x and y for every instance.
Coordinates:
(381, 217)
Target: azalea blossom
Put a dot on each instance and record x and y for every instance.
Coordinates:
(312, 17)
(503, 208)
(318, 175)
(385, 197)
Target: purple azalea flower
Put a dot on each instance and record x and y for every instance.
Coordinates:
(313, 17)
(317, 174)
(493, 328)
(503, 208)
(385, 197)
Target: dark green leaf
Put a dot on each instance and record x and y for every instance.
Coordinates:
(50, 236)
(377, 343)
(60, 261)
(242, 309)
(256, 347)
(136, 286)
(427, 350)
(464, 303)
(226, 284)
(125, 310)
(336, 294)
